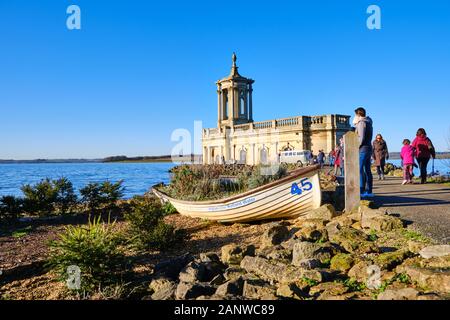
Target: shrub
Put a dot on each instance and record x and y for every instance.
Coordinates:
(204, 182)
(111, 192)
(49, 196)
(168, 208)
(10, 208)
(39, 198)
(66, 199)
(91, 196)
(96, 195)
(147, 227)
(96, 249)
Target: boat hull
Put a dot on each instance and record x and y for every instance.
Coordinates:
(288, 197)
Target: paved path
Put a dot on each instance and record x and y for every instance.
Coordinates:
(426, 206)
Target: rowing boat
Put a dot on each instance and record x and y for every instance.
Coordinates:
(289, 197)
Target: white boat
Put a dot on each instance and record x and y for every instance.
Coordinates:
(288, 197)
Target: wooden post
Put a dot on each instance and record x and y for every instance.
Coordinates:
(351, 171)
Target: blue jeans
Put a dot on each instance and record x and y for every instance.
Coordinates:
(365, 174)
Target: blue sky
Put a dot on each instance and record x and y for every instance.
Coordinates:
(137, 70)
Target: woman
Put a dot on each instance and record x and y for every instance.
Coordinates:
(424, 150)
(380, 155)
(337, 160)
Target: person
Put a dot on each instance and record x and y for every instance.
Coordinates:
(321, 158)
(337, 161)
(364, 129)
(332, 157)
(407, 156)
(380, 154)
(424, 150)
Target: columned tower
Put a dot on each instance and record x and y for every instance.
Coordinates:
(234, 99)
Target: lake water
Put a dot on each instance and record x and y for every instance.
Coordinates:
(137, 177)
(442, 166)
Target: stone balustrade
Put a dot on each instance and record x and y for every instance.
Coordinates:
(340, 121)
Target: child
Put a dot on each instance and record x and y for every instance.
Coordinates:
(407, 155)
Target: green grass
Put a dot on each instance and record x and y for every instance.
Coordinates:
(373, 235)
(401, 277)
(352, 284)
(414, 235)
(21, 232)
(310, 282)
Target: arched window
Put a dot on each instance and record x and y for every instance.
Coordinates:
(243, 156)
(263, 155)
(242, 102)
(225, 104)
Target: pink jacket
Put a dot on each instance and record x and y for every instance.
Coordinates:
(407, 154)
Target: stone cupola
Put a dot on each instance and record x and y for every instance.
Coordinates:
(234, 99)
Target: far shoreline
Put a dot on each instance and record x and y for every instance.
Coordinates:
(155, 159)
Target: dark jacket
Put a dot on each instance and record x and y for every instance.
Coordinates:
(380, 152)
(364, 129)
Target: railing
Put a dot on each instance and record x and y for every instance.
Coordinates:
(287, 122)
(314, 121)
(345, 120)
(317, 120)
(262, 124)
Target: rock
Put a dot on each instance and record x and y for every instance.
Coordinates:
(233, 273)
(219, 297)
(308, 250)
(193, 272)
(233, 254)
(436, 262)
(399, 294)
(274, 235)
(172, 267)
(311, 223)
(357, 225)
(258, 289)
(389, 260)
(375, 219)
(325, 212)
(197, 271)
(428, 278)
(290, 291)
(312, 234)
(353, 241)
(276, 271)
(209, 257)
(193, 290)
(359, 271)
(217, 280)
(342, 262)
(308, 263)
(328, 288)
(289, 244)
(430, 296)
(332, 228)
(415, 246)
(232, 287)
(435, 251)
(163, 289)
(276, 253)
(345, 220)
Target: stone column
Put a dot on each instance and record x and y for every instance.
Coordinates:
(250, 104)
(219, 106)
(205, 155)
(253, 154)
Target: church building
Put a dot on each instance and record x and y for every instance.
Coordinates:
(239, 139)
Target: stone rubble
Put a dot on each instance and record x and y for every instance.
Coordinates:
(322, 255)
